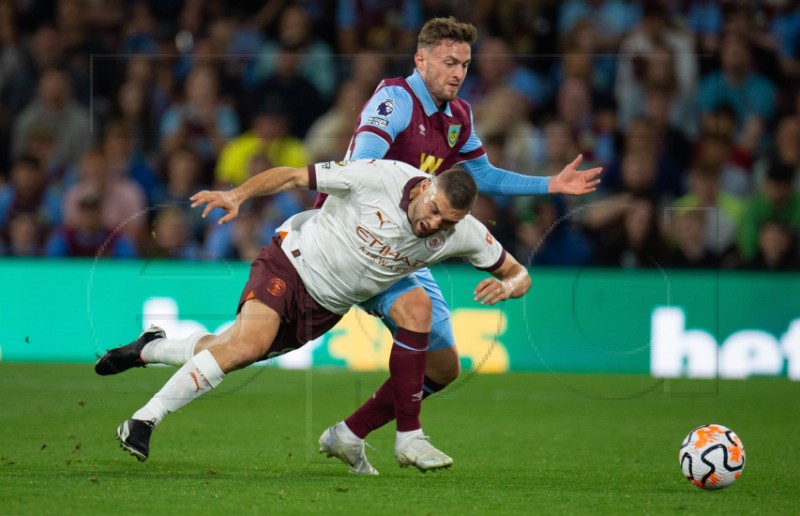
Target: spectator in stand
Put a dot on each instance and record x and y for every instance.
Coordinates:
(777, 248)
(504, 113)
(27, 192)
(722, 122)
(633, 240)
(316, 56)
(124, 162)
(547, 236)
(582, 57)
(655, 36)
(721, 211)
(23, 63)
(133, 111)
(775, 202)
(638, 181)
(182, 172)
(171, 237)
(329, 136)
(85, 235)
(748, 23)
(574, 107)
(496, 67)
(716, 151)
(55, 107)
(785, 150)
(655, 75)
(386, 26)
(268, 137)
(153, 77)
(613, 18)
(203, 121)
(287, 86)
(704, 18)
(366, 69)
(750, 94)
(24, 237)
(675, 150)
(553, 144)
(41, 143)
(785, 27)
(646, 136)
(123, 201)
(687, 234)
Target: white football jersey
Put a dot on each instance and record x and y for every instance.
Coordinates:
(361, 241)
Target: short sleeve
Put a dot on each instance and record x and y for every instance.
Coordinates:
(485, 252)
(387, 113)
(341, 178)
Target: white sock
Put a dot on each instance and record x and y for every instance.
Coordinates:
(174, 352)
(405, 436)
(195, 378)
(347, 434)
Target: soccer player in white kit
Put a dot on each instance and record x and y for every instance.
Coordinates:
(385, 219)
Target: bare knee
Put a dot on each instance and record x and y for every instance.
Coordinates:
(412, 310)
(238, 354)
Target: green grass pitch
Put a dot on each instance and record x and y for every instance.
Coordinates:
(522, 444)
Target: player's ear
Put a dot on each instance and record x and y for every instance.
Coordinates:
(419, 60)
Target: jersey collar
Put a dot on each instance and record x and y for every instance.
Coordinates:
(406, 199)
(421, 91)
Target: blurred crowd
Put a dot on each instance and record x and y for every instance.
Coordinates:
(114, 112)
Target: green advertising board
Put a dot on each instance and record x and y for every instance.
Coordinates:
(664, 323)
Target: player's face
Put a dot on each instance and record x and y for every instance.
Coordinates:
(432, 213)
(443, 68)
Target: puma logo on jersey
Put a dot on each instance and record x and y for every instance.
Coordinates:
(429, 164)
(380, 218)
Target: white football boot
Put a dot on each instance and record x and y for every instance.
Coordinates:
(417, 451)
(350, 452)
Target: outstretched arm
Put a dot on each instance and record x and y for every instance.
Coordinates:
(497, 181)
(272, 181)
(514, 281)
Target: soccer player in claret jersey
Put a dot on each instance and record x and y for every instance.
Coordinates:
(420, 120)
(385, 219)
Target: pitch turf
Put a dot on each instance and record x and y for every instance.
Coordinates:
(522, 443)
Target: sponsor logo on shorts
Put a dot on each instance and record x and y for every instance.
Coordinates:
(435, 242)
(379, 122)
(276, 287)
(385, 108)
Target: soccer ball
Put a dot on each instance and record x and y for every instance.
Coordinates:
(712, 457)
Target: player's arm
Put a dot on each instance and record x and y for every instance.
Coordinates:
(385, 115)
(492, 180)
(512, 281)
(272, 181)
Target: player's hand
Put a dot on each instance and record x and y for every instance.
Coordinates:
(491, 291)
(228, 201)
(573, 181)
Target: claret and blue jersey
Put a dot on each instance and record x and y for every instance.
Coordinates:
(402, 122)
(412, 129)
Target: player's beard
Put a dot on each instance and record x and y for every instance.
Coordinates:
(445, 92)
(421, 231)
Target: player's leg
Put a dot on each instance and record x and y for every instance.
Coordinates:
(246, 341)
(153, 347)
(403, 305)
(442, 363)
